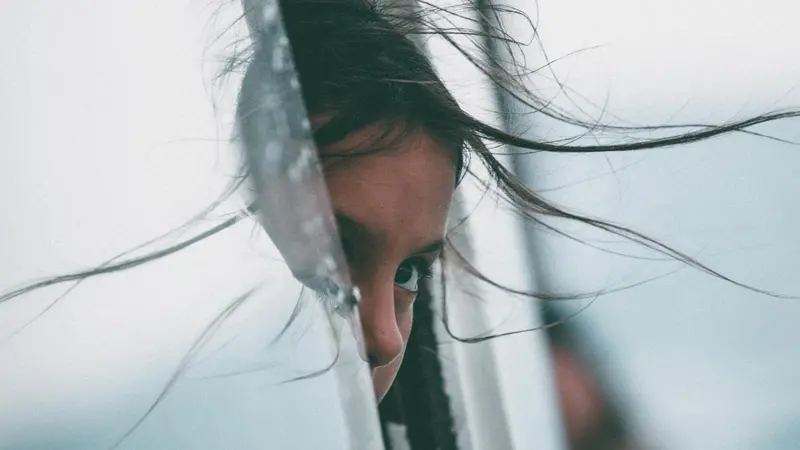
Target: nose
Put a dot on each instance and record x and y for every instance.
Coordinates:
(382, 337)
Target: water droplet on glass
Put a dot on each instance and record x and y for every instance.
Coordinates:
(327, 265)
(270, 13)
(295, 172)
(312, 226)
(277, 59)
(272, 152)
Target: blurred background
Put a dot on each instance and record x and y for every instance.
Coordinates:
(112, 134)
(696, 362)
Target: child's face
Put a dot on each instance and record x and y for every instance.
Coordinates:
(391, 208)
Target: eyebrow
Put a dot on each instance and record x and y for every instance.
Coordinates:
(355, 230)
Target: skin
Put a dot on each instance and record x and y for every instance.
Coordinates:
(391, 208)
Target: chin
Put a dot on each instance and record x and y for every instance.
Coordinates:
(381, 383)
(380, 390)
(383, 377)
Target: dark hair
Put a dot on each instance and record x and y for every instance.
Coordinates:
(358, 61)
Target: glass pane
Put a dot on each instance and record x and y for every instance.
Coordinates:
(213, 346)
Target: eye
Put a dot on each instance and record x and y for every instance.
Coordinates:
(409, 274)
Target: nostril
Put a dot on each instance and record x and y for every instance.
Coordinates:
(380, 358)
(373, 360)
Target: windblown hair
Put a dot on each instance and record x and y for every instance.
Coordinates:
(359, 63)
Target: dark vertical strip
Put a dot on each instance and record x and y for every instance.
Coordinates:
(418, 399)
(391, 414)
(425, 404)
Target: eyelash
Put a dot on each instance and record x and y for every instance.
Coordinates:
(421, 270)
(424, 269)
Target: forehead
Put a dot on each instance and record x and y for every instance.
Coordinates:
(402, 193)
